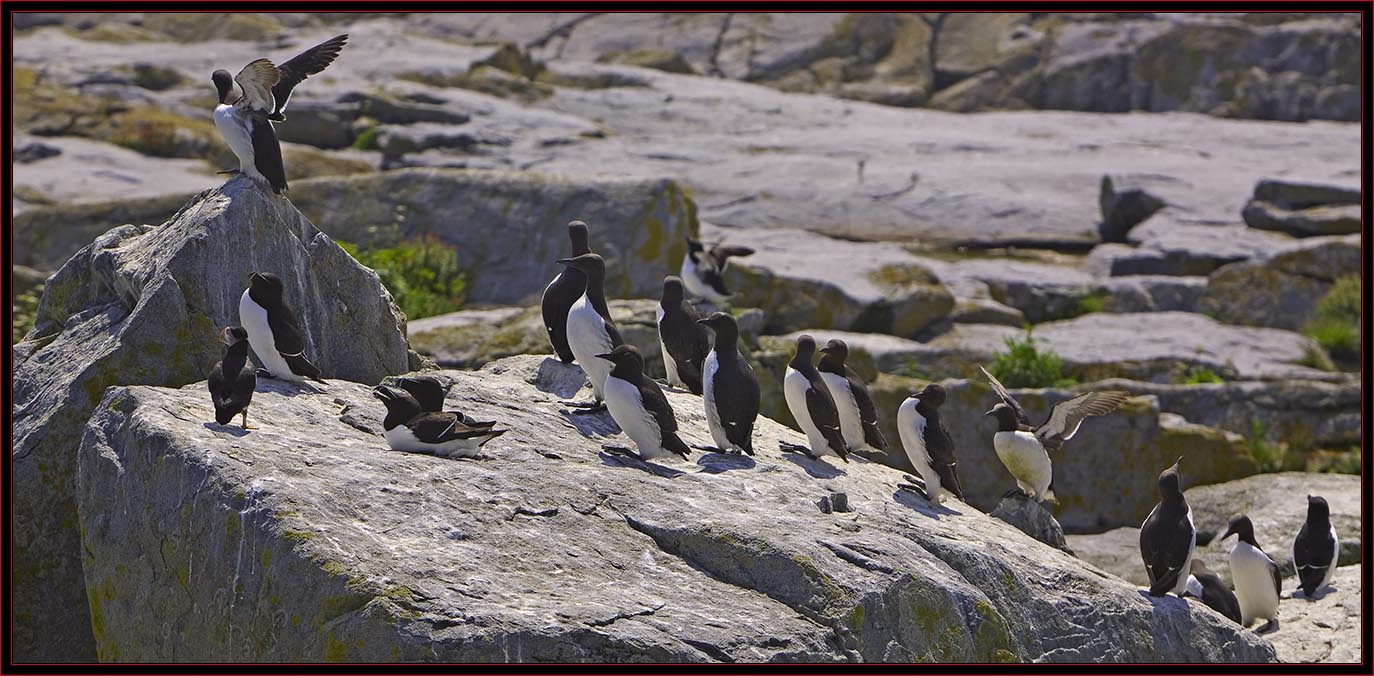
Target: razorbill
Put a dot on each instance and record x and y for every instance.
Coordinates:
(1316, 548)
(811, 404)
(589, 327)
(429, 391)
(246, 121)
(1168, 538)
(858, 416)
(685, 342)
(639, 406)
(703, 270)
(1024, 450)
(407, 428)
(730, 388)
(273, 330)
(1255, 575)
(1205, 586)
(559, 296)
(233, 380)
(927, 443)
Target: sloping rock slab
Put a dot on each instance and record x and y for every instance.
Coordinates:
(143, 305)
(324, 545)
(1281, 290)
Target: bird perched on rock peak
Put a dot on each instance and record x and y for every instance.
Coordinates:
(1168, 537)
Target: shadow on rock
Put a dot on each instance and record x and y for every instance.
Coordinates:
(922, 505)
(715, 463)
(617, 460)
(231, 430)
(559, 379)
(818, 469)
(599, 424)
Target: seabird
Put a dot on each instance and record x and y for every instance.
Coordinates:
(273, 330)
(927, 443)
(559, 296)
(232, 381)
(639, 406)
(685, 342)
(429, 392)
(811, 404)
(858, 416)
(441, 433)
(730, 388)
(1024, 450)
(1204, 585)
(1168, 537)
(246, 121)
(590, 330)
(1255, 575)
(703, 270)
(1316, 548)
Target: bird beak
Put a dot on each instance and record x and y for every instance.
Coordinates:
(564, 261)
(987, 414)
(381, 392)
(1176, 463)
(606, 356)
(1229, 533)
(225, 330)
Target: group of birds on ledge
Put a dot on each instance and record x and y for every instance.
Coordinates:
(829, 401)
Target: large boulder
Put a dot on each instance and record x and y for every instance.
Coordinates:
(1304, 209)
(1327, 629)
(510, 227)
(142, 305)
(309, 540)
(1282, 289)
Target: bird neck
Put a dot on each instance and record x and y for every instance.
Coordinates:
(596, 295)
(831, 363)
(235, 356)
(628, 372)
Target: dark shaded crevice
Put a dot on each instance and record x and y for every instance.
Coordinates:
(563, 30)
(713, 651)
(714, 61)
(622, 616)
(849, 556)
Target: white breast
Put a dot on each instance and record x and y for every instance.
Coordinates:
(794, 388)
(708, 385)
(694, 283)
(1026, 459)
(851, 423)
(253, 318)
(627, 407)
(911, 427)
(587, 337)
(233, 126)
(1254, 583)
(1335, 556)
(669, 364)
(400, 438)
(1193, 587)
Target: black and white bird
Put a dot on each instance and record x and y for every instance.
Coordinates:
(429, 392)
(442, 433)
(858, 415)
(1316, 548)
(1205, 586)
(1254, 574)
(245, 122)
(232, 380)
(559, 296)
(590, 329)
(639, 406)
(1168, 537)
(730, 388)
(811, 405)
(685, 342)
(928, 444)
(1024, 450)
(273, 330)
(703, 270)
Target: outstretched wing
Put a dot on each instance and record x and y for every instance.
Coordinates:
(1005, 396)
(256, 80)
(305, 64)
(1067, 415)
(722, 254)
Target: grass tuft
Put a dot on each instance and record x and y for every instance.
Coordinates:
(422, 274)
(1025, 365)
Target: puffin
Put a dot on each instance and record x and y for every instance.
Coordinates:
(233, 378)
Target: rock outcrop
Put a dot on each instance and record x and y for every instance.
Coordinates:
(1304, 210)
(309, 540)
(1282, 289)
(142, 305)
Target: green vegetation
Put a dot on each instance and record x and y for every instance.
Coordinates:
(1196, 375)
(1344, 461)
(421, 273)
(1025, 365)
(367, 140)
(1092, 303)
(1336, 325)
(25, 310)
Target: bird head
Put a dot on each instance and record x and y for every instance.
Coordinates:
(224, 84)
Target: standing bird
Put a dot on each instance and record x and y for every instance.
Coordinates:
(1316, 548)
(927, 443)
(858, 416)
(1024, 450)
(811, 404)
(590, 329)
(273, 330)
(1255, 575)
(407, 428)
(1168, 537)
(703, 271)
(232, 381)
(685, 342)
(246, 122)
(730, 388)
(1204, 585)
(639, 407)
(559, 296)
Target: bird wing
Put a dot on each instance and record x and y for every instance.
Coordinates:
(722, 254)
(613, 333)
(868, 413)
(821, 407)
(256, 80)
(940, 450)
(1067, 415)
(1274, 571)
(657, 404)
(267, 152)
(738, 391)
(1005, 396)
(437, 428)
(305, 64)
(216, 385)
(244, 385)
(1165, 564)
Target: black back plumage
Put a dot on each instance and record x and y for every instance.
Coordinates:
(566, 287)
(1215, 593)
(1314, 550)
(735, 387)
(819, 404)
(939, 445)
(1167, 535)
(266, 290)
(686, 341)
(267, 152)
(833, 359)
(629, 366)
(303, 65)
(232, 380)
(430, 427)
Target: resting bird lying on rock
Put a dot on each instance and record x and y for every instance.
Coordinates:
(443, 433)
